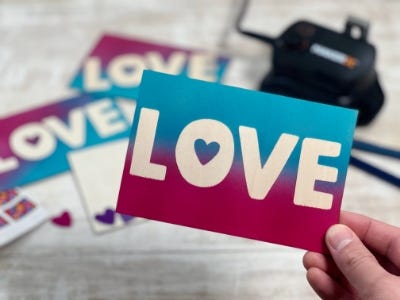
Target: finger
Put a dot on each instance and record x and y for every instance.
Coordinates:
(355, 261)
(382, 238)
(326, 264)
(323, 262)
(325, 286)
(387, 265)
(314, 259)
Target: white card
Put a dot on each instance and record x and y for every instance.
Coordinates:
(98, 172)
(19, 214)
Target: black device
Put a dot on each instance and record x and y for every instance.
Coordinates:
(315, 63)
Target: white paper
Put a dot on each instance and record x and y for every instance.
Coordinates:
(98, 172)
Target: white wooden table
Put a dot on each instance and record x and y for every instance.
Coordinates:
(41, 44)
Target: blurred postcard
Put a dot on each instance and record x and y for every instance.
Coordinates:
(97, 172)
(34, 144)
(116, 63)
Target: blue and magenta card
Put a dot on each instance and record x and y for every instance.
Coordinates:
(236, 161)
(34, 144)
(116, 63)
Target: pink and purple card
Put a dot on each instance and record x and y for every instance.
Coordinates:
(18, 215)
(116, 63)
(235, 161)
(34, 144)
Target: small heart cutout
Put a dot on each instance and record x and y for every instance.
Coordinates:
(33, 140)
(205, 151)
(107, 217)
(63, 220)
(126, 218)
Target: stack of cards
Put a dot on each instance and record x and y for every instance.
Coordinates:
(88, 133)
(200, 154)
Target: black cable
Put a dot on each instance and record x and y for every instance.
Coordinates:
(264, 38)
(366, 167)
(375, 149)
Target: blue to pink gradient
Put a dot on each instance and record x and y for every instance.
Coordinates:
(227, 207)
(32, 170)
(110, 46)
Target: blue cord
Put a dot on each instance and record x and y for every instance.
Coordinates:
(367, 147)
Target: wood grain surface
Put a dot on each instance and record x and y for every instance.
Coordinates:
(41, 45)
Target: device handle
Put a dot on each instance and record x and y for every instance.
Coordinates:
(362, 25)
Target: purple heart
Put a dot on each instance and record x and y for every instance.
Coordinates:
(33, 140)
(126, 218)
(205, 151)
(107, 217)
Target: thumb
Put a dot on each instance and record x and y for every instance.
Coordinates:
(354, 260)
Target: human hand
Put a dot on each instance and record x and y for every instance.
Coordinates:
(364, 261)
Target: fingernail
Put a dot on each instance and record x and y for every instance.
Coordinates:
(339, 236)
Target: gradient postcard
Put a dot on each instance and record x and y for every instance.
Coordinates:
(235, 161)
(116, 63)
(34, 144)
(97, 171)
